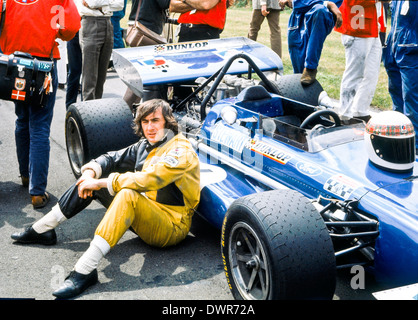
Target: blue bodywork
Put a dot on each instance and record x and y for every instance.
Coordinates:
(322, 165)
(265, 149)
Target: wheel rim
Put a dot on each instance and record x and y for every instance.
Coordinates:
(75, 147)
(249, 263)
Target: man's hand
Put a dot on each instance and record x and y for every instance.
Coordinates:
(87, 184)
(179, 6)
(87, 6)
(264, 11)
(284, 3)
(332, 7)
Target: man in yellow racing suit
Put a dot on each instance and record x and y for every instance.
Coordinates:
(155, 184)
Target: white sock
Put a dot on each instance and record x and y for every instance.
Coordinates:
(50, 221)
(91, 258)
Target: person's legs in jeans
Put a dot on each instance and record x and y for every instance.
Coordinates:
(319, 23)
(296, 43)
(32, 133)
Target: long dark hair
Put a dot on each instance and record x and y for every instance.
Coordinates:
(150, 106)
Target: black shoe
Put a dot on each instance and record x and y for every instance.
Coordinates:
(364, 118)
(30, 236)
(75, 284)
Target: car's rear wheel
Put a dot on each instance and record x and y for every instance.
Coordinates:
(95, 127)
(291, 89)
(275, 245)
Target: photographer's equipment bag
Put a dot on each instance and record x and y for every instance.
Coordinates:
(24, 78)
(139, 35)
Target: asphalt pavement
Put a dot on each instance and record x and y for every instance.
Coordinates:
(132, 270)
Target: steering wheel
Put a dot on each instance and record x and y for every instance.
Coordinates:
(317, 114)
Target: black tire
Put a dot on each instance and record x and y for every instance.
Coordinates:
(280, 239)
(95, 127)
(289, 86)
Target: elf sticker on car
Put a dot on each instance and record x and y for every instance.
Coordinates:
(341, 186)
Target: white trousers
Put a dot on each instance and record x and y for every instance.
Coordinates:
(362, 66)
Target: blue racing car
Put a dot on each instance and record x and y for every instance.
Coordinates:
(297, 192)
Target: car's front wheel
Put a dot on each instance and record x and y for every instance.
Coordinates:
(275, 245)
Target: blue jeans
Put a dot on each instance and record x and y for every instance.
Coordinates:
(32, 132)
(74, 70)
(306, 36)
(117, 30)
(402, 69)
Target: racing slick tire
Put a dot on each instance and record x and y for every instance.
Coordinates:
(289, 86)
(94, 127)
(275, 245)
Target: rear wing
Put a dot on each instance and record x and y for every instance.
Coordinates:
(186, 61)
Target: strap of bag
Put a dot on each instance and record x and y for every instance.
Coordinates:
(137, 11)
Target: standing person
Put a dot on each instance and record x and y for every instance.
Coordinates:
(75, 64)
(117, 30)
(269, 9)
(200, 19)
(96, 41)
(155, 184)
(401, 59)
(152, 14)
(33, 29)
(363, 53)
(309, 25)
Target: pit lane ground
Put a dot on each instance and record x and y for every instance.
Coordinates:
(192, 270)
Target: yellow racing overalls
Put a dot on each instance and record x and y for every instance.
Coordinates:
(157, 202)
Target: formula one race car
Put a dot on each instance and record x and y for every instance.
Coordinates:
(296, 191)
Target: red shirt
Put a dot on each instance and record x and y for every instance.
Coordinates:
(214, 17)
(359, 18)
(31, 26)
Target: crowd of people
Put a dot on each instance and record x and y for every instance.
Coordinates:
(163, 164)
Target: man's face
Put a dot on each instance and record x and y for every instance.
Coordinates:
(153, 126)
